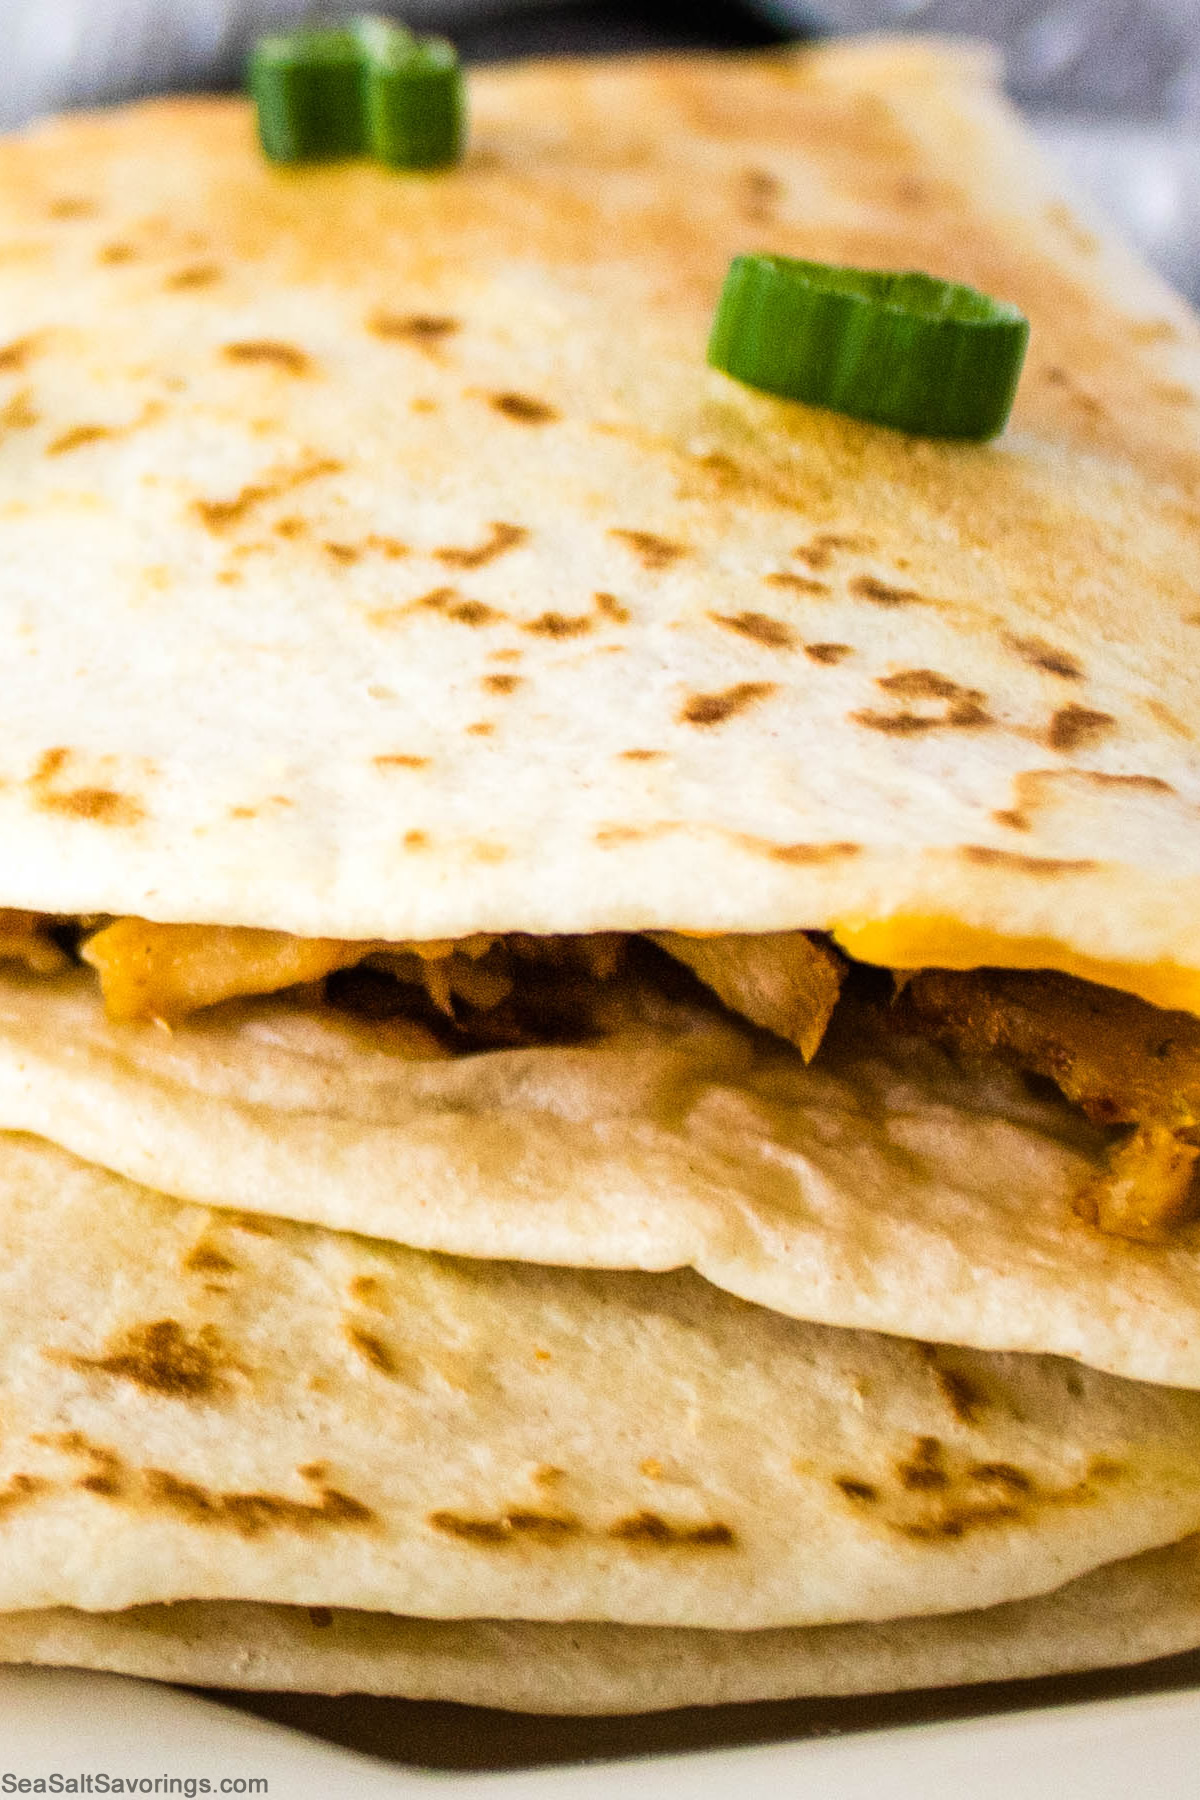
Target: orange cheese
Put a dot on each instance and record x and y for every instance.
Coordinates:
(932, 941)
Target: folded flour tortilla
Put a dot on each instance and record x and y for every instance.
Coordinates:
(382, 563)
(1128, 1612)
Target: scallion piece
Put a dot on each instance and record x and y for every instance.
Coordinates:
(308, 90)
(929, 357)
(415, 111)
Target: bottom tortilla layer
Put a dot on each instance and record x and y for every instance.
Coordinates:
(1132, 1611)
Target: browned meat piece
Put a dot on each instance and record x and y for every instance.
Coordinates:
(785, 981)
(1121, 1060)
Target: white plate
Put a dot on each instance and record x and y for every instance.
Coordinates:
(74, 1725)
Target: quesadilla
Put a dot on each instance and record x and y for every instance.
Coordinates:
(599, 972)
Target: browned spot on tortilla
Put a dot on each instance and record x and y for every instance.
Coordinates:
(252, 1515)
(486, 852)
(560, 625)
(925, 1466)
(19, 1490)
(1077, 728)
(507, 1527)
(965, 1398)
(654, 1532)
(416, 840)
(481, 728)
(218, 515)
(800, 584)
(368, 1290)
(963, 714)
(523, 408)
(342, 553)
(758, 193)
(640, 755)
(425, 330)
(269, 350)
(77, 436)
(161, 1358)
(390, 547)
(73, 206)
(101, 805)
(652, 551)
(854, 1489)
(16, 355)
(196, 275)
(1026, 865)
(828, 653)
(502, 684)
(206, 1259)
(611, 607)
(400, 761)
(1016, 821)
(372, 1349)
(320, 1617)
(1002, 1474)
(715, 709)
(1173, 723)
(1060, 215)
(1044, 656)
(884, 593)
(760, 628)
(925, 684)
(501, 537)
(291, 527)
(1153, 331)
(114, 255)
(19, 414)
(473, 613)
(1150, 784)
(819, 551)
(794, 853)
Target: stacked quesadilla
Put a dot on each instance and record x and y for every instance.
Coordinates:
(599, 972)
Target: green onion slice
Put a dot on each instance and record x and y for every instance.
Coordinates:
(415, 112)
(368, 87)
(903, 349)
(308, 89)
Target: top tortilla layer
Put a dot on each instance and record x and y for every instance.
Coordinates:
(380, 558)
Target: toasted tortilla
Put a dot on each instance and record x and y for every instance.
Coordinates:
(1128, 1612)
(382, 560)
(881, 1187)
(199, 1406)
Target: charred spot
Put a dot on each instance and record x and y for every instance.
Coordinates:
(1077, 728)
(715, 709)
(103, 806)
(924, 1469)
(501, 537)
(854, 1489)
(162, 1359)
(16, 355)
(611, 608)
(1002, 1474)
(965, 1398)
(925, 684)
(270, 351)
(342, 553)
(820, 549)
(401, 761)
(372, 1349)
(103, 1484)
(910, 724)
(206, 1259)
(196, 275)
(77, 436)
(320, 1617)
(560, 625)
(760, 628)
(523, 408)
(19, 1490)
(508, 1527)
(1026, 865)
(653, 1531)
(501, 684)
(252, 1515)
(957, 1521)
(425, 330)
(828, 653)
(1148, 784)
(291, 527)
(884, 593)
(218, 515)
(1041, 655)
(652, 551)
(473, 613)
(799, 584)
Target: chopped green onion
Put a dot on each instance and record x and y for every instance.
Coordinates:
(308, 88)
(415, 114)
(902, 349)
